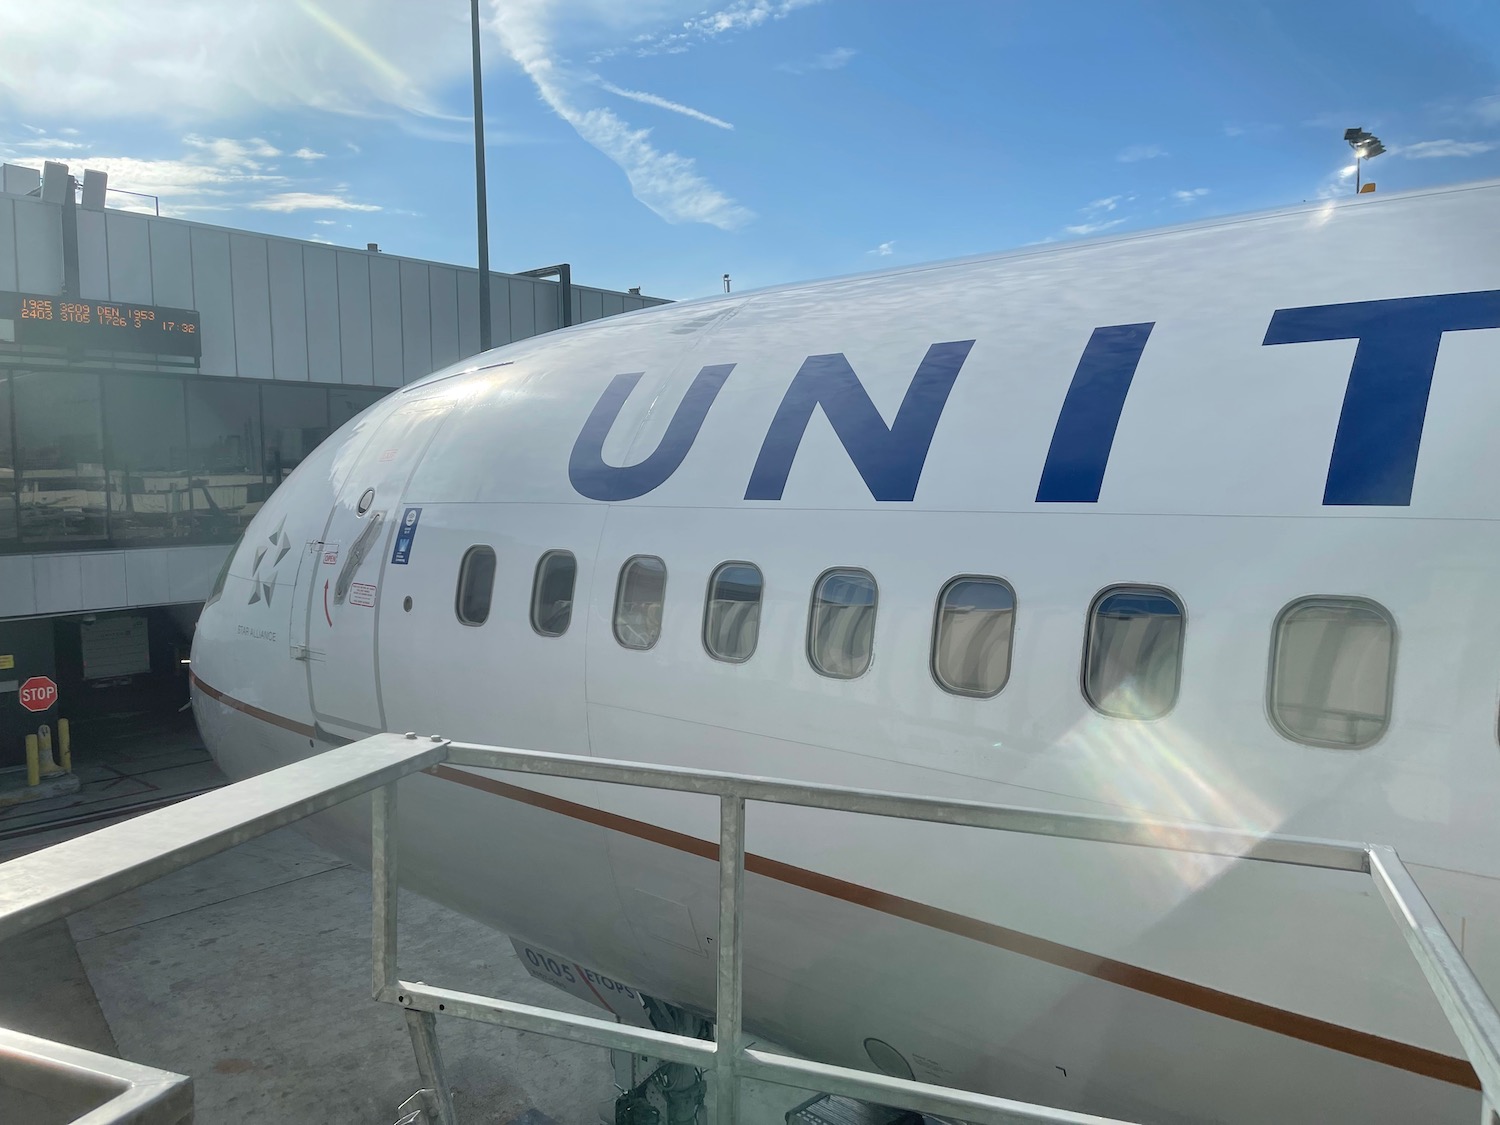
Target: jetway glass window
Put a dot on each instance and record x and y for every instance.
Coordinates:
(296, 421)
(971, 637)
(1133, 664)
(841, 627)
(552, 593)
(224, 450)
(60, 457)
(146, 454)
(1332, 665)
(476, 585)
(639, 600)
(7, 467)
(731, 619)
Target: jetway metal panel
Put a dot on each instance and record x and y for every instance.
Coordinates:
(320, 283)
(577, 298)
(385, 320)
(612, 304)
(17, 586)
(213, 297)
(38, 246)
(416, 321)
(522, 309)
(171, 264)
(101, 577)
(442, 286)
(128, 238)
(7, 245)
(548, 314)
(93, 256)
(251, 283)
(468, 313)
(593, 304)
(354, 317)
(288, 310)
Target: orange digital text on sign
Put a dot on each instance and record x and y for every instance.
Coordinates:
(35, 309)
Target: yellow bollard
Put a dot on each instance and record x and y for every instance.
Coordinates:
(44, 745)
(33, 763)
(64, 746)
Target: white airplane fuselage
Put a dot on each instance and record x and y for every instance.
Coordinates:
(1236, 413)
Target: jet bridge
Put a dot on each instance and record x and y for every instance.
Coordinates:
(98, 1090)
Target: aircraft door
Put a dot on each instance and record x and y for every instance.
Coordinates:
(347, 567)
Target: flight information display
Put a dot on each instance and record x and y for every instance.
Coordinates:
(67, 322)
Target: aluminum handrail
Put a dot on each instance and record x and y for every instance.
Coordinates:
(48, 884)
(67, 877)
(1463, 1000)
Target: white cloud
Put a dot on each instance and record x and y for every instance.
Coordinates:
(1093, 228)
(326, 222)
(181, 184)
(663, 103)
(1487, 109)
(884, 250)
(226, 152)
(186, 60)
(1134, 153)
(287, 201)
(1094, 214)
(1190, 195)
(666, 182)
(210, 174)
(1426, 150)
(742, 15)
(306, 153)
(830, 60)
(52, 144)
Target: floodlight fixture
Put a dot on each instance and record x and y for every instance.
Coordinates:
(1365, 146)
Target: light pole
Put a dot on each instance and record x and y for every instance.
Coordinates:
(480, 203)
(1366, 146)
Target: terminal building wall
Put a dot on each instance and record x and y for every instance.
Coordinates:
(125, 478)
(120, 486)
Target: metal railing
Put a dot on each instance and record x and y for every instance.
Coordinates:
(49, 884)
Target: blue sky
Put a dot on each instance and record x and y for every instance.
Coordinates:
(663, 144)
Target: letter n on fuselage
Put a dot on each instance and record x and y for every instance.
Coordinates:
(889, 458)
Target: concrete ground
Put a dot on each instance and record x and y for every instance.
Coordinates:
(250, 971)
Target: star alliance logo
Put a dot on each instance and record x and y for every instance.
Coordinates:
(263, 588)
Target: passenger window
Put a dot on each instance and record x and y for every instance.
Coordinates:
(841, 627)
(731, 619)
(638, 601)
(971, 636)
(1332, 663)
(476, 585)
(1133, 661)
(552, 593)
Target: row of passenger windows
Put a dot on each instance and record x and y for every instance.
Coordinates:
(1332, 658)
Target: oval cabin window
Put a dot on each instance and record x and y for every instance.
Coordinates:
(638, 601)
(731, 619)
(552, 593)
(1332, 665)
(971, 636)
(476, 585)
(1133, 662)
(841, 627)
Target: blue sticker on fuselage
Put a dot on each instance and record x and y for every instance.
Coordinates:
(406, 536)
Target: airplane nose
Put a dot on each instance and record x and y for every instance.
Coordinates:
(249, 681)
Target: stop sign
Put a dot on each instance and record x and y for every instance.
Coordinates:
(38, 693)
